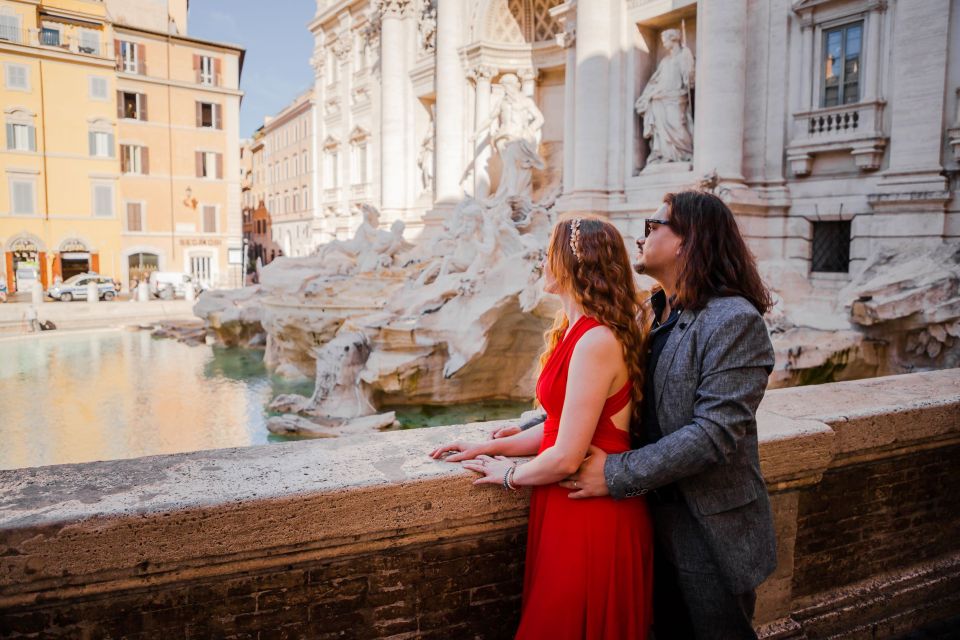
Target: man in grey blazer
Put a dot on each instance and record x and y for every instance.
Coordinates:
(697, 461)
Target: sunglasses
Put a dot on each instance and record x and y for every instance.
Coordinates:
(648, 225)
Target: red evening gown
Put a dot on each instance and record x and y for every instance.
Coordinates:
(589, 566)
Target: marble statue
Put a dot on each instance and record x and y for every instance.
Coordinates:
(665, 104)
(425, 160)
(514, 125)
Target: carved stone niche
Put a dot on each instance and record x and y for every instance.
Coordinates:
(953, 133)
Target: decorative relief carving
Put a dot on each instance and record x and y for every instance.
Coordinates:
(394, 8)
(427, 26)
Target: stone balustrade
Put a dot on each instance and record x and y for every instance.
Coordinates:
(857, 128)
(367, 537)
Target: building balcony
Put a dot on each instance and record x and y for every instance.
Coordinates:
(857, 128)
(331, 194)
(57, 40)
(360, 191)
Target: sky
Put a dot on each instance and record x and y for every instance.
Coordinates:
(276, 68)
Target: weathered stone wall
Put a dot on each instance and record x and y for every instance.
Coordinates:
(367, 537)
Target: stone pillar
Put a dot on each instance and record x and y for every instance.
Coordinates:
(806, 64)
(721, 85)
(393, 75)
(874, 25)
(483, 148)
(594, 35)
(566, 39)
(449, 123)
(528, 79)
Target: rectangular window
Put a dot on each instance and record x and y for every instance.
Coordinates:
(134, 216)
(332, 169)
(209, 115)
(16, 76)
(841, 64)
(50, 37)
(103, 200)
(207, 75)
(134, 159)
(22, 197)
(132, 106)
(101, 144)
(200, 269)
(21, 137)
(130, 57)
(10, 27)
(209, 164)
(303, 162)
(98, 87)
(831, 246)
(89, 42)
(209, 218)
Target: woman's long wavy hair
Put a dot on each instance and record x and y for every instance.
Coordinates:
(601, 282)
(714, 259)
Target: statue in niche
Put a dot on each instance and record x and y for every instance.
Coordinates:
(425, 160)
(665, 104)
(514, 125)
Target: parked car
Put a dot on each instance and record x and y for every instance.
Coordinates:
(172, 284)
(75, 287)
(3, 291)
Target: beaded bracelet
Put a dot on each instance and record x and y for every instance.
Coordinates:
(508, 478)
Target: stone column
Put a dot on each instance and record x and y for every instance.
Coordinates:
(392, 75)
(566, 40)
(874, 25)
(483, 149)
(594, 35)
(806, 64)
(528, 79)
(721, 85)
(449, 122)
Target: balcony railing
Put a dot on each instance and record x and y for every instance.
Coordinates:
(52, 39)
(857, 128)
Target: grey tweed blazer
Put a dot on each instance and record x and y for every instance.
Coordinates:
(709, 380)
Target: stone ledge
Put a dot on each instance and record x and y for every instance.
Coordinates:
(107, 526)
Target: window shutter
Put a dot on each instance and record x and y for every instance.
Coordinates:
(141, 59)
(199, 114)
(124, 158)
(118, 54)
(219, 166)
(143, 104)
(209, 219)
(199, 160)
(196, 68)
(32, 138)
(11, 142)
(110, 143)
(217, 116)
(92, 140)
(145, 160)
(120, 104)
(216, 71)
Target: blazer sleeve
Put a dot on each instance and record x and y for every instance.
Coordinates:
(737, 360)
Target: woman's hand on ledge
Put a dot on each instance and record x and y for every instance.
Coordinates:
(506, 432)
(491, 470)
(461, 451)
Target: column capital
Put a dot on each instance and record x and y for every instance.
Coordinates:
(341, 46)
(528, 74)
(481, 72)
(394, 8)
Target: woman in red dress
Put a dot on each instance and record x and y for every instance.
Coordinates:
(589, 563)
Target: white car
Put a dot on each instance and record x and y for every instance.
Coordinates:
(75, 288)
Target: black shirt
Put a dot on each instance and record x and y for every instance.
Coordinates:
(658, 339)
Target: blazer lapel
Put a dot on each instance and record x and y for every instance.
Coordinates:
(665, 363)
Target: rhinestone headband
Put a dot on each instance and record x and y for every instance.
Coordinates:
(575, 239)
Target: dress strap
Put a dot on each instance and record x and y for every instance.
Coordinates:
(615, 403)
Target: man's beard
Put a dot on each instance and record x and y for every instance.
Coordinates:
(639, 267)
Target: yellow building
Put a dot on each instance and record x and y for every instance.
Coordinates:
(119, 104)
(59, 194)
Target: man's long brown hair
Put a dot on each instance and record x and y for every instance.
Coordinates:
(601, 281)
(714, 259)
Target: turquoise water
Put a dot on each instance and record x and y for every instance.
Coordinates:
(105, 395)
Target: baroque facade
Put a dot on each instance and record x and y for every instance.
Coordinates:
(121, 143)
(831, 127)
